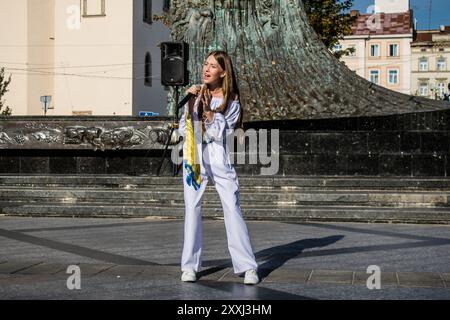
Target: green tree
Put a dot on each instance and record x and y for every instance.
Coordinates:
(331, 20)
(4, 82)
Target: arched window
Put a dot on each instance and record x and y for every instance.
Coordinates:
(148, 11)
(148, 70)
(166, 5)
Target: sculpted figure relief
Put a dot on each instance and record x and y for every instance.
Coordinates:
(284, 70)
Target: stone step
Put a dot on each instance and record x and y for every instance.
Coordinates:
(298, 213)
(377, 198)
(95, 181)
(242, 188)
(393, 199)
(170, 191)
(217, 203)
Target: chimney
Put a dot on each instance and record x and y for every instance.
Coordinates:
(354, 13)
(392, 6)
(442, 28)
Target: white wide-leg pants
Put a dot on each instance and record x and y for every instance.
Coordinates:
(226, 183)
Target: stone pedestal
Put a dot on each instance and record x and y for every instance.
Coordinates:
(409, 145)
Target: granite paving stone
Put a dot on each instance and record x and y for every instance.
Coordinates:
(12, 267)
(44, 269)
(420, 279)
(386, 278)
(288, 276)
(331, 276)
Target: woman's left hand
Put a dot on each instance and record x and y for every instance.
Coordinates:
(206, 100)
(209, 116)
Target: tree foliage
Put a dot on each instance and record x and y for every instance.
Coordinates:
(331, 20)
(4, 82)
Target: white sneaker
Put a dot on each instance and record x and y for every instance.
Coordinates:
(188, 276)
(251, 277)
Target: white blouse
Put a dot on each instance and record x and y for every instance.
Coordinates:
(221, 125)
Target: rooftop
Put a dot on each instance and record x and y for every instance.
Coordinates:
(390, 23)
(428, 35)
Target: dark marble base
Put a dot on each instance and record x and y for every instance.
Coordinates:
(410, 145)
(421, 121)
(141, 163)
(82, 162)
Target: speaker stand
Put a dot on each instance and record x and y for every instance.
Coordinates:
(175, 125)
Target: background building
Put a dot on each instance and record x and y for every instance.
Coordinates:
(92, 56)
(382, 45)
(430, 67)
(392, 6)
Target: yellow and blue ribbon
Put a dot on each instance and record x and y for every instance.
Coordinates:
(191, 162)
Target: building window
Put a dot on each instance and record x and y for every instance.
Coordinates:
(441, 64)
(148, 11)
(166, 6)
(440, 90)
(393, 50)
(441, 49)
(393, 76)
(337, 47)
(423, 89)
(148, 70)
(375, 50)
(423, 50)
(94, 8)
(375, 76)
(423, 64)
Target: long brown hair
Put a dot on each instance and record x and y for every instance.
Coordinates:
(230, 87)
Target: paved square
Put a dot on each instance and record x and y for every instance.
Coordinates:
(139, 259)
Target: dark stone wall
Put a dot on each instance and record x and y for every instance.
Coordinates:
(418, 121)
(409, 145)
(415, 144)
(73, 162)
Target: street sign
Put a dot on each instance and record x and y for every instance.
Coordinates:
(148, 114)
(46, 100)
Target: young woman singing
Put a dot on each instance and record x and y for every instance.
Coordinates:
(214, 112)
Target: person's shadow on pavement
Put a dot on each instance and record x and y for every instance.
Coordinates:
(276, 257)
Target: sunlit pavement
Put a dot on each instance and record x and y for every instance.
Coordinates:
(54, 258)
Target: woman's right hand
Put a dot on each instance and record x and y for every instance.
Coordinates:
(195, 90)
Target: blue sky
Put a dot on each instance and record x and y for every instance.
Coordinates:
(440, 13)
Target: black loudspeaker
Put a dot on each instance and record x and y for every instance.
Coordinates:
(174, 61)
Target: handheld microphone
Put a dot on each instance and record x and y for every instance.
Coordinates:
(187, 98)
